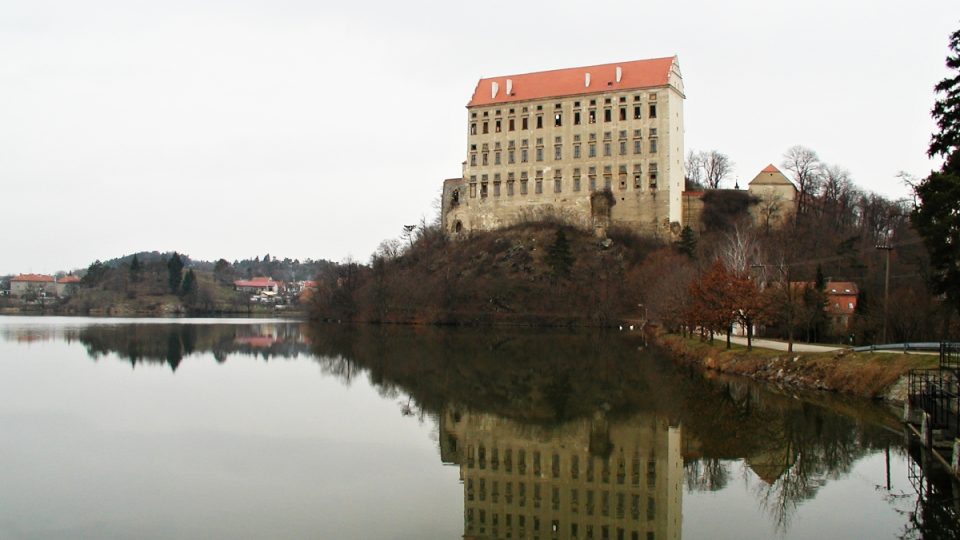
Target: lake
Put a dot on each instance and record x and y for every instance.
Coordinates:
(240, 428)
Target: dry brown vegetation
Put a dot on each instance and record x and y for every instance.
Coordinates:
(868, 375)
(533, 273)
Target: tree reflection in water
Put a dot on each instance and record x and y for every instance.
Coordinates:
(547, 381)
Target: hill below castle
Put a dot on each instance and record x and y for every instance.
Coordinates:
(532, 273)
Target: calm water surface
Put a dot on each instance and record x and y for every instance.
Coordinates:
(114, 428)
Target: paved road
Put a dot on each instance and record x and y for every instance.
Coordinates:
(782, 345)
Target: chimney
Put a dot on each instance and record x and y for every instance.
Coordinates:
(494, 88)
(586, 80)
(509, 87)
(619, 73)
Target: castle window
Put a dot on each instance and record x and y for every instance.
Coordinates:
(607, 135)
(576, 179)
(653, 146)
(593, 102)
(623, 113)
(496, 126)
(496, 189)
(576, 118)
(473, 128)
(652, 96)
(523, 155)
(607, 177)
(511, 155)
(484, 158)
(637, 133)
(473, 115)
(557, 180)
(473, 159)
(523, 183)
(510, 124)
(637, 181)
(523, 123)
(557, 152)
(496, 157)
(653, 132)
(592, 150)
(539, 121)
(557, 120)
(486, 126)
(606, 101)
(592, 175)
(636, 98)
(539, 107)
(606, 150)
(636, 112)
(593, 136)
(483, 195)
(473, 190)
(539, 186)
(653, 110)
(623, 134)
(539, 153)
(486, 114)
(576, 151)
(622, 177)
(592, 117)
(623, 148)
(607, 115)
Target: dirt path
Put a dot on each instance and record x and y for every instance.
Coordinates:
(782, 345)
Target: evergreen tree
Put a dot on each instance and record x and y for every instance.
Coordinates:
(936, 216)
(559, 256)
(688, 242)
(96, 272)
(174, 272)
(135, 268)
(189, 285)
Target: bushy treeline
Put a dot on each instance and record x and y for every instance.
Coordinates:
(533, 273)
(151, 281)
(773, 277)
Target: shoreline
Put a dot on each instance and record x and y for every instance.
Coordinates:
(876, 376)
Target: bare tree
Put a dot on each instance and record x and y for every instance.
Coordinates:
(716, 167)
(740, 250)
(806, 168)
(694, 168)
(836, 191)
(708, 168)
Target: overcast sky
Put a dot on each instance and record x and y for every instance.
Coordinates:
(239, 128)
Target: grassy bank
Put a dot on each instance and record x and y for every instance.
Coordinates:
(871, 375)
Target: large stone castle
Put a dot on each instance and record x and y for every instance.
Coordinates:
(593, 146)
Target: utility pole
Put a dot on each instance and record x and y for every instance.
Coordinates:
(886, 287)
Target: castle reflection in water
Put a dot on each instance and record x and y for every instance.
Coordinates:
(586, 479)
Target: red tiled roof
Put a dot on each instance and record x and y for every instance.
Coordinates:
(571, 81)
(770, 168)
(69, 279)
(256, 282)
(36, 278)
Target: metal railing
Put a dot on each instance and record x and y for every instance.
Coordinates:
(936, 392)
(950, 356)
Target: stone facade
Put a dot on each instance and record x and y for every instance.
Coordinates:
(776, 198)
(546, 144)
